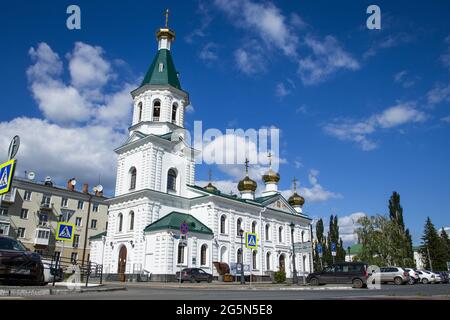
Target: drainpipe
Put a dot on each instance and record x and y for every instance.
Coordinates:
(86, 232)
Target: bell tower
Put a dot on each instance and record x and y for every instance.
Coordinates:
(160, 102)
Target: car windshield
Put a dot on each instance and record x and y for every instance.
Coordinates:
(11, 244)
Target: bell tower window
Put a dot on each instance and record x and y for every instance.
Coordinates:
(161, 67)
(133, 176)
(171, 180)
(139, 111)
(156, 110)
(174, 113)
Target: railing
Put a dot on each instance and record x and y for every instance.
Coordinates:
(87, 272)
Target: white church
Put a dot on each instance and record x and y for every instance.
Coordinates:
(156, 193)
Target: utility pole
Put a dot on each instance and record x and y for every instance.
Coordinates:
(294, 271)
(87, 229)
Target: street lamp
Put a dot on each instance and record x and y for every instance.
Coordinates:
(294, 276)
(241, 233)
(349, 255)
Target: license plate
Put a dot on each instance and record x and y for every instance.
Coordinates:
(20, 271)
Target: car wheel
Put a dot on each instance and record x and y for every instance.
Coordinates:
(41, 280)
(357, 283)
(424, 281)
(209, 280)
(398, 281)
(192, 280)
(314, 282)
(411, 281)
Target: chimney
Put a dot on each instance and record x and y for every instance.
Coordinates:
(85, 188)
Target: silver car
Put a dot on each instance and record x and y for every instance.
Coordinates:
(396, 275)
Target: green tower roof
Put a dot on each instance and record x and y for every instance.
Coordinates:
(167, 76)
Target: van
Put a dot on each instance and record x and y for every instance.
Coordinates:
(354, 273)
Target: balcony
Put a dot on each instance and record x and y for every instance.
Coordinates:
(42, 236)
(9, 197)
(46, 206)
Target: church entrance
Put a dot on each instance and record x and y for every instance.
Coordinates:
(122, 263)
(281, 263)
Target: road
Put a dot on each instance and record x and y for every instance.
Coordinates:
(143, 292)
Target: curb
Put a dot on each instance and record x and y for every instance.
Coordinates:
(51, 291)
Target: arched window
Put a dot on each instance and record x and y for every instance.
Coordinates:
(131, 219)
(174, 113)
(203, 252)
(303, 236)
(254, 226)
(139, 110)
(156, 110)
(223, 220)
(180, 253)
(224, 254)
(120, 222)
(238, 227)
(268, 261)
(171, 180)
(239, 256)
(254, 260)
(280, 234)
(267, 231)
(133, 175)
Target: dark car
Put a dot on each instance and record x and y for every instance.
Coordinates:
(444, 276)
(17, 265)
(194, 275)
(354, 273)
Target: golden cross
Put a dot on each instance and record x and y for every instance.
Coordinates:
(270, 159)
(210, 175)
(294, 181)
(167, 18)
(246, 165)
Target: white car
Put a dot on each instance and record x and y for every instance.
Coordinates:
(48, 273)
(426, 276)
(413, 276)
(437, 277)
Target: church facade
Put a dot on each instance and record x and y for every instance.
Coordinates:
(156, 193)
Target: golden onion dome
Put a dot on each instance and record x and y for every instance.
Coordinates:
(271, 176)
(247, 184)
(296, 200)
(210, 188)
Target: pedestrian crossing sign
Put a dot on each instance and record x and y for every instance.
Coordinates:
(251, 240)
(65, 231)
(6, 175)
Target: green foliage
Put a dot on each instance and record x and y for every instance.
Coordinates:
(433, 248)
(280, 276)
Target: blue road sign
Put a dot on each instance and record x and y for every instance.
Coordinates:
(6, 175)
(65, 231)
(251, 240)
(319, 249)
(333, 247)
(184, 228)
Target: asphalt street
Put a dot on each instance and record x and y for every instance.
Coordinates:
(143, 292)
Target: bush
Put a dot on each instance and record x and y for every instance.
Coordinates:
(280, 276)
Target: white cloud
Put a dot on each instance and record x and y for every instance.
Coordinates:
(225, 186)
(264, 19)
(359, 131)
(62, 152)
(390, 41)
(348, 225)
(445, 58)
(87, 66)
(404, 79)
(82, 123)
(446, 119)
(439, 93)
(281, 90)
(328, 57)
(208, 52)
(250, 60)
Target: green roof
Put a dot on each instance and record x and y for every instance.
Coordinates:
(174, 220)
(168, 76)
(356, 248)
(98, 236)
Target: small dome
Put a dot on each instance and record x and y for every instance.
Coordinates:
(210, 188)
(296, 200)
(271, 176)
(247, 184)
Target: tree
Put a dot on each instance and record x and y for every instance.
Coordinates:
(319, 240)
(434, 254)
(445, 243)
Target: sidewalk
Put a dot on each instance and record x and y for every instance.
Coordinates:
(229, 286)
(60, 288)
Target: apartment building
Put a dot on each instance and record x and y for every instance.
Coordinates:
(31, 210)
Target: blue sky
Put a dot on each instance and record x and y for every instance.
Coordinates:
(361, 112)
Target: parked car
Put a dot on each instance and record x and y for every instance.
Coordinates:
(437, 277)
(413, 276)
(444, 276)
(396, 275)
(18, 265)
(194, 275)
(426, 277)
(354, 273)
